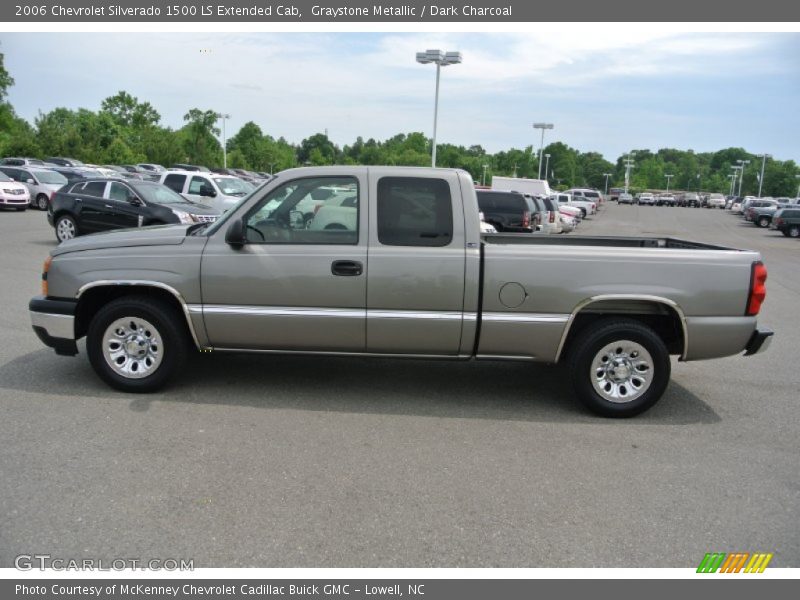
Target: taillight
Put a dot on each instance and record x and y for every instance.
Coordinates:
(778, 221)
(552, 216)
(758, 289)
(45, 270)
(526, 218)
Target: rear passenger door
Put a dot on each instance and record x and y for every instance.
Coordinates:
(91, 209)
(417, 256)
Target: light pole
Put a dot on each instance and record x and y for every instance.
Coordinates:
(736, 170)
(483, 181)
(764, 158)
(732, 177)
(628, 166)
(798, 187)
(742, 164)
(441, 59)
(606, 175)
(224, 116)
(542, 126)
(698, 183)
(668, 178)
(546, 164)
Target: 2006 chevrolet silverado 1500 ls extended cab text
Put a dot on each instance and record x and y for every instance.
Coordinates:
(404, 272)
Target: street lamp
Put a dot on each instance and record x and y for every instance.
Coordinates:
(542, 126)
(483, 180)
(668, 178)
(764, 158)
(441, 59)
(224, 116)
(742, 164)
(732, 177)
(736, 169)
(546, 164)
(606, 175)
(629, 163)
(798, 187)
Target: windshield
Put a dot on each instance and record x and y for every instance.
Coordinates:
(233, 186)
(159, 194)
(50, 177)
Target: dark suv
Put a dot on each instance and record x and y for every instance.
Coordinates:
(507, 211)
(787, 221)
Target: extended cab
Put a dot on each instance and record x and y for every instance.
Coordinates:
(409, 276)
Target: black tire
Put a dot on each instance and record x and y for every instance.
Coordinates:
(763, 222)
(170, 334)
(587, 348)
(42, 202)
(63, 224)
(793, 231)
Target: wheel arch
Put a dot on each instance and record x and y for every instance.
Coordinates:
(94, 295)
(663, 315)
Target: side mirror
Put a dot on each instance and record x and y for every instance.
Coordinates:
(208, 191)
(29, 181)
(134, 201)
(235, 236)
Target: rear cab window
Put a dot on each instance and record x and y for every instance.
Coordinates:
(175, 182)
(414, 211)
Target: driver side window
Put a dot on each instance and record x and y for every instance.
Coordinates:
(312, 210)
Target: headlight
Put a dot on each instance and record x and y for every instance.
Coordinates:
(183, 217)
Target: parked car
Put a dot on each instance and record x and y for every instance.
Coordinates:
(587, 207)
(645, 199)
(220, 191)
(123, 172)
(64, 162)
(507, 211)
(550, 220)
(13, 194)
(339, 212)
(432, 287)
(103, 204)
(151, 168)
(715, 201)
(614, 192)
(22, 162)
(762, 216)
(587, 195)
(689, 199)
(666, 200)
(787, 221)
(41, 183)
(625, 198)
(750, 211)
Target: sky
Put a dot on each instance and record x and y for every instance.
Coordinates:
(609, 91)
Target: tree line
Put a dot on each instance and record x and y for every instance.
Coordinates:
(126, 130)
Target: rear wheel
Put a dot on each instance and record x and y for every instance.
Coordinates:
(619, 368)
(763, 222)
(66, 228)
(794, 231)
(136, 344)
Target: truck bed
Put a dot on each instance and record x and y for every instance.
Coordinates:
(602, 241)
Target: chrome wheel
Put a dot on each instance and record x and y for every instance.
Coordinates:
(41, 202)
(622, 371)
(65, 229)
(132, 347)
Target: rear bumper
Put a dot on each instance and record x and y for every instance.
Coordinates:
(759, 342)
(53, 322)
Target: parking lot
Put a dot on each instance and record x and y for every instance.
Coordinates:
(275, 461)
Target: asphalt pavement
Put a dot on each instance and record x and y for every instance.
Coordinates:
(275, 461)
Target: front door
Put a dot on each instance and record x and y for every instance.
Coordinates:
(292, 286)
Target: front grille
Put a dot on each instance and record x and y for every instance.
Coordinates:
(14, 192)
(205, 218)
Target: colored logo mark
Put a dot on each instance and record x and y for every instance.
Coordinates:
(735, 562)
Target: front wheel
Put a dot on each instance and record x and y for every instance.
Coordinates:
(136, 344)
(619, 368)
(42, 202)
(763, 222)
(794, 231)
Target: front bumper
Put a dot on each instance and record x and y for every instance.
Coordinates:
(759, 342)
(53, 322)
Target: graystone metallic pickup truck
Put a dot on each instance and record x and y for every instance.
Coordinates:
(399, 269)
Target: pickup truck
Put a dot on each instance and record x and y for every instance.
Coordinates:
(410, 276)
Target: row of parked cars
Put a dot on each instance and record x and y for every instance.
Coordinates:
(781, 214)
(517, 212)
(686, 199)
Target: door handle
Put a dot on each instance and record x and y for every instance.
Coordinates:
(78, 199)
(108, 206)
(347, 268)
